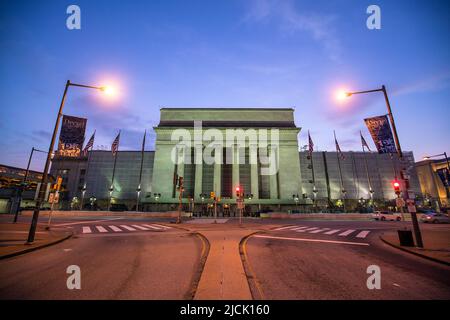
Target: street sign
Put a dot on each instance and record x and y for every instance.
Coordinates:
(399, 202)
(53, 197)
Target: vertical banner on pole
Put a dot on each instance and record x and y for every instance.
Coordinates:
(381, 133)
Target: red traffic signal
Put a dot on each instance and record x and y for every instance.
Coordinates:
(238, 191)
(396, 186)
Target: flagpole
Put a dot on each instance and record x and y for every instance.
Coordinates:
(367, 168)
(140, 172)
(111, 189)
(340, 171)
(83, 192)
(313, 175)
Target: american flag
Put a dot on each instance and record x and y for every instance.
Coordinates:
(311, 144)
(89, 145)
(115, 145)
(363, 142)
(338, 149)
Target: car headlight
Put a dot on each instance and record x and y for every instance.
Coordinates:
(428, 217)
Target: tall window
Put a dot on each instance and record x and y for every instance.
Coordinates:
(245, 171)
(227, 173)
(264, 180)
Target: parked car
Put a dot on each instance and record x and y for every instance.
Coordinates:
(434, 217)
(386, 215)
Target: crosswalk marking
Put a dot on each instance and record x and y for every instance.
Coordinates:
(333, 231)
(162, 226)
(346, 233)
(115, 229)
(87, 230)
(139, 227)
(101, 229)
(152, 227)
(363, 234)
(128, 228)
(320, 230)
(308, 229)
(297, 229)
(283, 228)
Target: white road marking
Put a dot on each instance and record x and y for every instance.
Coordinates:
(162, 226)
(320, 230)
(333, 231)
(115, 229)
(309, 229)
(363, 234)
(139, 227)
(87, 230)
(346, 233)
(128, 228)
(297, 229)
(312, 240)
(101, 229)
(152, 227)
(282, 228)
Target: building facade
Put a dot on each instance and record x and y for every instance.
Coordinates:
(216, 150)
(434, 182)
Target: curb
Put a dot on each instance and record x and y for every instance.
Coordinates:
(17, 253)
(414, 253)
(203, 258)
(249, 273)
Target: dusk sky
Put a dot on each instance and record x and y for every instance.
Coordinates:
(235, 53)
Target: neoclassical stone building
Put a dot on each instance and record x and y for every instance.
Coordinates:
(219, 149)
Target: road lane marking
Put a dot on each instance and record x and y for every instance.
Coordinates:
(139, 227)
(101, 229)
(363, 234)
(162, 226)
(309, 229)
(346, 233)
(87, 230)
(152, 227)
(115, 229)
(320, 230)
(128, 228)
(333, 231)
(312, 240)
(283, 228)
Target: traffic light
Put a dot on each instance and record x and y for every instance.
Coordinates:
(239, 192)
(396, 186)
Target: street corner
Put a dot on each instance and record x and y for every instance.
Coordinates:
(14, 236)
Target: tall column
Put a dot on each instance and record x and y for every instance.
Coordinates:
(198, 180)
(217, 171)
(254, 171)
(273, 179)
(235, 170)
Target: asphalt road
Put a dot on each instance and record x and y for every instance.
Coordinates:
(149, 262)
(306, 263)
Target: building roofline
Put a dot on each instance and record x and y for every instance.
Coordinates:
(229, 108)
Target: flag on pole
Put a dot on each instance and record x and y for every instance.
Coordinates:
(364, 142)
(311, 144)
(89, 145)
(338, 149)
(115, 145)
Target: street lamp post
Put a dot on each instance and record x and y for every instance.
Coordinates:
(41, 194)
(23, 184)
(438, 155)
(399, 150)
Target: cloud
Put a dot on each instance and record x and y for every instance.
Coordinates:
(434, 83)
(318, 26)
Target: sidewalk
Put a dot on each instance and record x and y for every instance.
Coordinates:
(436, 244)
(14, 236)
